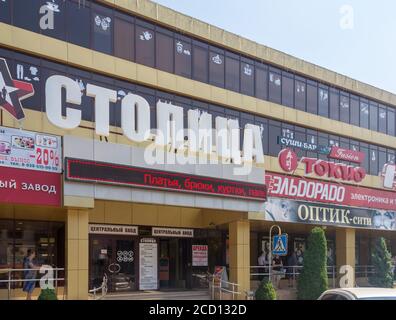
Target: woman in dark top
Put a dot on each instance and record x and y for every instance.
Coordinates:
(29, 273)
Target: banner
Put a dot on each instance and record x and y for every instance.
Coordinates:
(19, 186)
(30, 150)
(284, 210)
(199, 255)
(297, 188)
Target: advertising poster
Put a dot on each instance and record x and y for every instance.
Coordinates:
(148, 264)
(199, 255)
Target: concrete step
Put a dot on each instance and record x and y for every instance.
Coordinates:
(160, 295)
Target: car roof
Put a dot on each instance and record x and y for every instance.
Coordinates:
(361, 293)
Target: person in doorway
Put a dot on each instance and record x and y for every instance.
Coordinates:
(29, 273)
(262, 262)
(291, 267)
(277, 266)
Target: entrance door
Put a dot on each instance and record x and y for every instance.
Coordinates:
(115, 258)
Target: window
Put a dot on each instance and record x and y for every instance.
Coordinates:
(275, 85)
(324, 102)
(366, 160)
(382, 119)
(183, 59)
(374, 160)
(391, 122)
(287, 90)
(144, 42)
(58, 8)
(312, 97)
(102, 31)
(5, 9)
(364, 113)
(200, 62)
(323, 140)
(79, 31)
(216, 67)
(263, 124)
(300, 91)
(344, 107)
(262, 81)
(373, 116)
(247, 76)
(124, 39)
(274, 131)
(334, 104)
(232, 72)
(381, 158)
(26, 14)
(312, 137)
(354, 111)
(164, 50)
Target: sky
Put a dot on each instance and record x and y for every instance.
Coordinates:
(356, 38)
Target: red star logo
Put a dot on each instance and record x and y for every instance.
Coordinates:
(12, 92)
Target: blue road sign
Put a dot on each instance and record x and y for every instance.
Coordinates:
(279, 245)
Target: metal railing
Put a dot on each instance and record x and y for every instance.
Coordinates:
(103, 288)
(11, 279)
(219, 289)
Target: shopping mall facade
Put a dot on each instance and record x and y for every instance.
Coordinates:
(80, 105)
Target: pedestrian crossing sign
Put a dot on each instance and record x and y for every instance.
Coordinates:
(279, 245)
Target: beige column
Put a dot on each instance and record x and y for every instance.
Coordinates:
(239, 248)
(77, 254)
(345, 256)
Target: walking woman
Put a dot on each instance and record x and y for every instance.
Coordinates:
(29, 273)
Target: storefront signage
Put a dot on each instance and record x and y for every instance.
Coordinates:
(388, 176)
(30, 150)
(113, 229)
(346, 154)
(30, 187)
(303, 145)
(199, 255)
(148, 264)
(172, 232)
(322, 191)
(107, 173)
(288, 161)
(284, 210)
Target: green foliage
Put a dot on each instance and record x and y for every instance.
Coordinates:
(382, 263)
(265, 291)
(313, 280)
(47, 294)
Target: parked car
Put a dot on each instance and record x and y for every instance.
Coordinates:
(359, 294)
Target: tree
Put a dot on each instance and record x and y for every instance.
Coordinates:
(265, 291)
(382, 263)
(313, 280)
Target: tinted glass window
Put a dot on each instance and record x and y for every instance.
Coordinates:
(300, 91)
(391, 122)
(275, 85)
(364, 114)
(334, 104)
(355, 111)
(124, 39)
(5, 11)
(26, 14)
(247, 77)
(144, 42)
(58, 9)
(78, 31)
(102, 31)
(183, 59)
(312, 98)
(164, 51)
(382, 119)
(344, 107)
(274, 131)
(232, 73)
(374, 160)
(262, 82)
(324, 102)
(381, 158)
(373, 116)
(216, 68)
(200, 63)
(288, 90)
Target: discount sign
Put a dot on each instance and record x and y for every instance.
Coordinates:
(30, 150)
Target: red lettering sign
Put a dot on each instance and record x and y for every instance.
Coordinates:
(284, 186)
(31, 187)
(346, 155)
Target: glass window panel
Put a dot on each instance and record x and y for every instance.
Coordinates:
(355, 111)
(391, 122)
(312, 98)
(102, 31)
(381, 159)
(273, 134)
(366, 160)
(364, 114)
(334, 104)
(374, 161)
(5, 11)
(124, 39)
(216, 69)
(373, 116)
(324, 102)
(288, 91)
(200, 63)
(247, 77)
(344, 108)
(58, 9)
(261, 83)
(183, 59)
(78, 31)
(382, 119)
(26, 14)
(164, 52)
(275, 87)
(232, 74)
(145, 43)
(300, 91)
